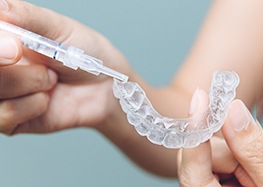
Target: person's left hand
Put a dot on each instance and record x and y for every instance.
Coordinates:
(235, 161)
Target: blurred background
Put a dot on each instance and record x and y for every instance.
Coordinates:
(155, 36)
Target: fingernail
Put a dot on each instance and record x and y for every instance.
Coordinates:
(194, 101)
(52, 76)
(239, 115)
(3, 5)
(8, 49)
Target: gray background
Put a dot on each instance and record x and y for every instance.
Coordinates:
(155, 36)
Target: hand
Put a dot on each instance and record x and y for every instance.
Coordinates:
(79, 98)
(21, 85)
(244, 137)
(213, 164)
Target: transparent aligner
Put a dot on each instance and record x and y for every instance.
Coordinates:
(156, 135)
(173, 140)
(130, 94)
(191, 140)
(222, 92)
(171, 132)
(133, 118)
(143, 127)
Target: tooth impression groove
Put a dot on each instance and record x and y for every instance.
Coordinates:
(171, 132)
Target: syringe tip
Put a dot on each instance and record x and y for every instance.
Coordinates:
(112, 73)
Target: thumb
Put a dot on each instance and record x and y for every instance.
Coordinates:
(244, 137)
(198, 108)
(10, 49)
(195, 164)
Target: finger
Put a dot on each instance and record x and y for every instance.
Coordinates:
(196, 163)
(198, 108)
(10, 49)
(199, 103)
(245, 139)
(35, 18)
(19, 80)
(16, 111)
(36, 125)
(59, 28)
(196, 167)
(222, 154)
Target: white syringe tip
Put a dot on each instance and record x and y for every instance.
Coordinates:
(112, 73)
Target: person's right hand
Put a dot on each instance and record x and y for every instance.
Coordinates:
(78, 98)
(213, 164)
(244, 136)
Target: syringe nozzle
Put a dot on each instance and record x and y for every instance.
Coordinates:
(112, 73)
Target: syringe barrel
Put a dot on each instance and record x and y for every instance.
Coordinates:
(44, 46)
(41, 44)
(70, 56)
(32, 40)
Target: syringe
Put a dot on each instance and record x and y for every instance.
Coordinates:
(70, 56)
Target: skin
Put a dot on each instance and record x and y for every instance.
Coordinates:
(245, 168)
(91, 100)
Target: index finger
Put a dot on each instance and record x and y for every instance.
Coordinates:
(20, 80)
(40, 20)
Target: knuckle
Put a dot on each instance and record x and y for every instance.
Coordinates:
(40, 80)
(254, 152)
(25, 9)
(9, 133)
(240, 172)
(184, 181)
(7, 115)
(184, 177)
(22, 12)
(188, 181)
